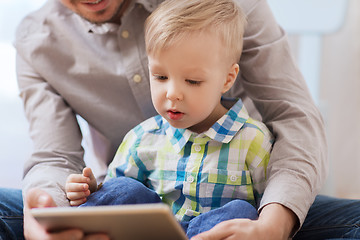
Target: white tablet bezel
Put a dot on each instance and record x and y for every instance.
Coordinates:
(126, 222)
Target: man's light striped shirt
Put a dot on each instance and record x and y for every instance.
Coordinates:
(193, 172)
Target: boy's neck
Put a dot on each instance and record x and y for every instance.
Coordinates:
(205, 125)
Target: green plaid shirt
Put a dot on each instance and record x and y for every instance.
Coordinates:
(195, 173)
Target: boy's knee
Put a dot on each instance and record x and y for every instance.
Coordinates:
(123, 190)
(239, 203)
(241, 208)
(140, 190)
(231, 210)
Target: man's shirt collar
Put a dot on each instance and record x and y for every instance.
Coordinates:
(149, 5)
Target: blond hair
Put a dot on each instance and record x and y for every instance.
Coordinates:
(174, 19)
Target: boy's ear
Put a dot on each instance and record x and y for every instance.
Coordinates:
(231, 77)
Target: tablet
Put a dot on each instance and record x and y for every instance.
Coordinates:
(127, 222)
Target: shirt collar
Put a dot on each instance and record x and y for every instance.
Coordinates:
(228, 125)
(103, 28)
(149, 5)
(178, 137)
(222, 131)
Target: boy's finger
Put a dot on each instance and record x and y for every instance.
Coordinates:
(77, 202)
(77, 187)
(87, 172)
(73, 196)
(77, 178)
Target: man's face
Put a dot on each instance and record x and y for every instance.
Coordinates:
(98, 11)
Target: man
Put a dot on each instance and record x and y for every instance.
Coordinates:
(87, 57)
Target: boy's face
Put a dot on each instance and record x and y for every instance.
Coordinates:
(188, 79)
(97, 11)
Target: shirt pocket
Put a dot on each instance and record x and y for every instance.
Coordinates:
(226, 185)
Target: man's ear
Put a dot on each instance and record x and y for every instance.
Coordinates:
(231, 77)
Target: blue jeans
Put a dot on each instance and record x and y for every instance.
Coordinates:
(11, 214)
(331, 218)
(125, 190)
(328, 218)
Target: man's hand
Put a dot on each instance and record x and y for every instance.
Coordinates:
(80, 186)
(275, 222)
(36, 198)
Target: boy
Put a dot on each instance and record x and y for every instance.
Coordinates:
(197, 155)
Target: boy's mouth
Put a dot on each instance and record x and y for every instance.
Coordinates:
(174, 115)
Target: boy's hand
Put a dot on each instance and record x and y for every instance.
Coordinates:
(80, 186)
(275, 222)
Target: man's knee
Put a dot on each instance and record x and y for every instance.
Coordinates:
(11, 202)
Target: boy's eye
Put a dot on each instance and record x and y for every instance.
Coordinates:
(161, 78)
(193, 82)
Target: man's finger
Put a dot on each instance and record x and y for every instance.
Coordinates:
(220, 231)
(37, 198)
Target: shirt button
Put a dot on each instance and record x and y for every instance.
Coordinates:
(233, 178)
(197, 148)
(137, 78)
(190, 179)
(125, 34)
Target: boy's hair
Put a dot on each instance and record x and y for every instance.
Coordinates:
(174, 19)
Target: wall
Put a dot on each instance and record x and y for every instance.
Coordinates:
(340, 87)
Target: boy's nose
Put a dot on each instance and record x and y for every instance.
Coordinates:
(174, 93)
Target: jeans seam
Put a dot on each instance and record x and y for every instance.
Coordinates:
(11, 217)
(330, 226)
(356, 228)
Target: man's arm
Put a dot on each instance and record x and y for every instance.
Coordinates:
(297, 167)
(55, 133)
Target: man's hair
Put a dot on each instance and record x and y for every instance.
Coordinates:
(174, 19)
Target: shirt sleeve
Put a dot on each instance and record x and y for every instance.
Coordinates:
(298, 162)
(56, 136)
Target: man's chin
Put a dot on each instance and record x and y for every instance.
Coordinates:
(98, 18)
(101, 17)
